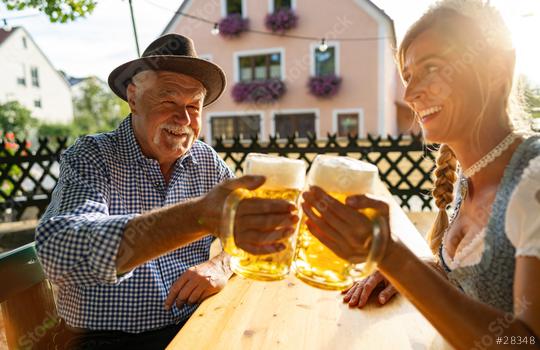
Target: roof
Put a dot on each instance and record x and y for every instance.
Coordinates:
(4, 34)
(388, 18)
(174, 17)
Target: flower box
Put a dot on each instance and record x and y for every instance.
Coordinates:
(233, 25)
(259, 91)
(282, 20)
(324, 86)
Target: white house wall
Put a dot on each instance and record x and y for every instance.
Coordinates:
(53, 90)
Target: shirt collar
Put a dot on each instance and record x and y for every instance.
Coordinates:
(130, 150)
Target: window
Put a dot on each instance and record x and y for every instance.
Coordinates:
(245, 126)
(260, 67)
(279, 4)
(234, 6)
(37, 103)
(35, 76)
(325, 61)
(24, 42)
(289, 124)
(21, 79)
(347, 123)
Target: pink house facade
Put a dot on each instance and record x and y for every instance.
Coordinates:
(359, 43)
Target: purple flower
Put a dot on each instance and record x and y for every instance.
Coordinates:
(261, 91)
(233, 25)
(324, 86)
(281, 21)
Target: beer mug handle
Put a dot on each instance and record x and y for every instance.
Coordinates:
(376, 250)
(228, 215)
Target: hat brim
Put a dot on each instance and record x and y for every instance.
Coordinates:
(209, 74)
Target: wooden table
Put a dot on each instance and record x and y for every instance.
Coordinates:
(289, 314)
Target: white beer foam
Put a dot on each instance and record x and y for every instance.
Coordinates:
(280, 172)
(343, 175)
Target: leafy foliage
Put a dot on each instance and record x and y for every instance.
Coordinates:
(97, 109)
(17, 119)
(532, 100)
(57, 10)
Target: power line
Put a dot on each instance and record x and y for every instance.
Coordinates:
(19, 17)
(261, 32)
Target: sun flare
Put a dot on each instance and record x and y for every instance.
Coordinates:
(523, 20)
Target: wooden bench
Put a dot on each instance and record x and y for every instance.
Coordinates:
(26, 297)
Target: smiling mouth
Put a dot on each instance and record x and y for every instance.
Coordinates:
(429, 113)
(175, 133)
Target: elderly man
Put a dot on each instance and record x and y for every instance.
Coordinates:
(127, 235)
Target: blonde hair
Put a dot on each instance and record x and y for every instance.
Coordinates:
(476, 29)
(443, 193)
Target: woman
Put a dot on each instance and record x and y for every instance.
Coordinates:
(457, 64)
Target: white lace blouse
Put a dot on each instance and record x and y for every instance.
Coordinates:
(522, 223)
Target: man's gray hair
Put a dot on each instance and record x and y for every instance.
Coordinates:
(148, 78)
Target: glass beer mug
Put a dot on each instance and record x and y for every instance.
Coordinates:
(284, 180)
(314, 263)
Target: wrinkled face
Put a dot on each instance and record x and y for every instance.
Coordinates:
(442, 87)
(166, 109)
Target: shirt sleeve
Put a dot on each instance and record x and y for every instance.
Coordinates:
(224, 172)
(76, 239)
(522, 214)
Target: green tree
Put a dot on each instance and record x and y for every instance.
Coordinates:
(97, 109)
(15, 123)
(56, 130)
(57, 10)
(532, 100)
(17, 119)
(53, 131)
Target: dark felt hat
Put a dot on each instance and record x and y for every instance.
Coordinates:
(174, 53)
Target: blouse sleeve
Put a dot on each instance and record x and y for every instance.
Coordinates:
(523, 212)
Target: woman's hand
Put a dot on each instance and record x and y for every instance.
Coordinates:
(341, 227)
(358, 294)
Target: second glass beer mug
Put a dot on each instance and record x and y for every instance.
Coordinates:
(340, 177)
(284, 180)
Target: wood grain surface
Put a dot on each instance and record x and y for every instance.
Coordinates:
(289, 314)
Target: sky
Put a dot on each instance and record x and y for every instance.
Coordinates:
(97, 44)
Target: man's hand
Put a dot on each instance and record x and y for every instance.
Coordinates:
(261, 225)
(199, 282)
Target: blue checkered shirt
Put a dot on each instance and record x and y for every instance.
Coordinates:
(105, 181)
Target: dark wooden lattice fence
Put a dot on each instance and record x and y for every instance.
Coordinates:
(28, 175)
(404, 162)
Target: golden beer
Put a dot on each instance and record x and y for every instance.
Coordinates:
(340, 177)
(284, 180)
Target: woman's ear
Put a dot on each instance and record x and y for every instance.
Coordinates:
(131, 97)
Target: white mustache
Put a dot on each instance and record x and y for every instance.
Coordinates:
(176, 129)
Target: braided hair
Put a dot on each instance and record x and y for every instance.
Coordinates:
(443, 193)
